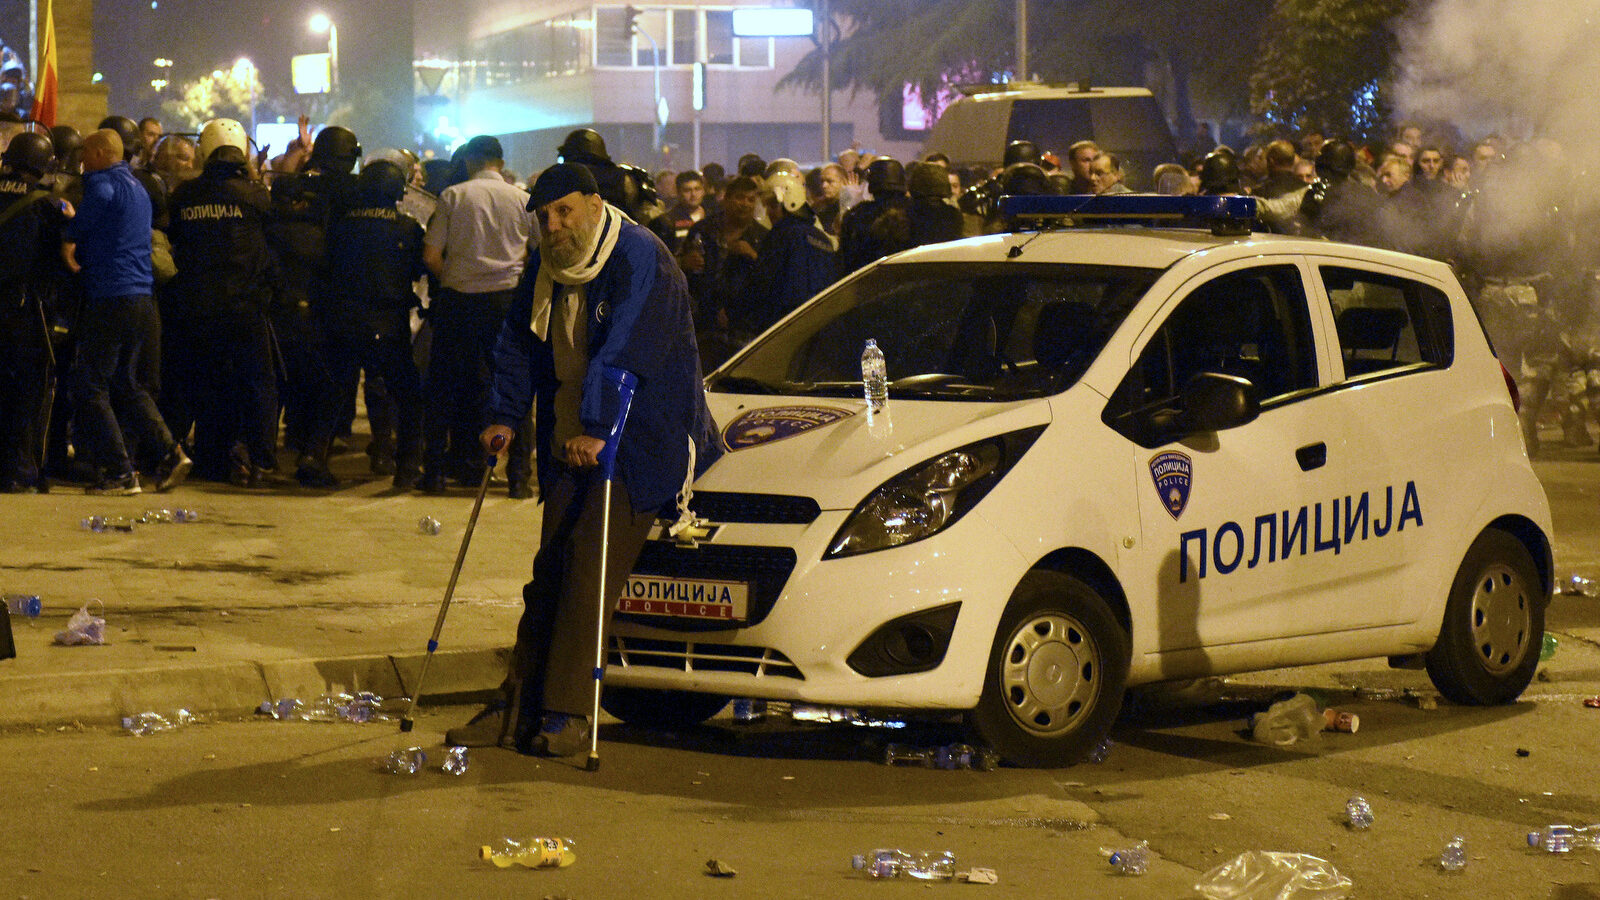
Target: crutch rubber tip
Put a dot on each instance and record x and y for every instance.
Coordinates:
(592, 765)
(405, 725)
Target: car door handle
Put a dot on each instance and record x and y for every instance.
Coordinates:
(1312, 456)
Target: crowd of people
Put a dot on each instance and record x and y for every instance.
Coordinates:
(199, 301)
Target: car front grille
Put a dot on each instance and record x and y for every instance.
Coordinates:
(757, 509)
(694, 656)
(765, 569)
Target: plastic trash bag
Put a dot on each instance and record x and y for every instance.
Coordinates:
(1266, 875)
(84, 628)
(1293, 721)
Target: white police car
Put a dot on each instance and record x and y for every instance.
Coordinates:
(1112, 456)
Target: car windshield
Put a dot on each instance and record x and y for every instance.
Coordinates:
(949, 331)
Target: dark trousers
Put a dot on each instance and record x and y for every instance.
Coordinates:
(238, 396)
(465, 327)
(117, 338)
(384, 354)
(555, 650)
(308, 396)
(24, 402)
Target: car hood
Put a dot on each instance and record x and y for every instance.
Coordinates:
(822, 447)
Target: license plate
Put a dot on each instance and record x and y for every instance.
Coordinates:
(685, 598)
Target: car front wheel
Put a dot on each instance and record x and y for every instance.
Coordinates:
(1493, 624)
(1055, 676)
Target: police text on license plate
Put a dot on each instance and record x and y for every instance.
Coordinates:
(689, 598)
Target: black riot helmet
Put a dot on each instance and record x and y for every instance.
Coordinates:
(1025, 178)
(1021, 152)
(29, 152)
(1336, 160)
(886, 176)
(128, 130)
(583, 145)
(381, 183)
(67, 141)
(1219, 174)
(335, 149)
(929, 180)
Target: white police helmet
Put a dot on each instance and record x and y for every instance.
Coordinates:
(222, 133)
(788, 189)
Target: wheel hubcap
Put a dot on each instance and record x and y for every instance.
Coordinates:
(1501, 618)
(1051, 674)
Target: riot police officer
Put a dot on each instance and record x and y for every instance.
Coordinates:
(377, 249)
(30, 235)
(304, 205)
(628, 188)
(223, 374)
(878, 227)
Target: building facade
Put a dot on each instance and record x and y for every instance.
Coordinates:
(532, 72)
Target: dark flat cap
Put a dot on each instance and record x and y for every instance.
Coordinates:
(560, 180)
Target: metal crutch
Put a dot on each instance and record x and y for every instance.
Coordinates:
(498, 444)
(624, 383)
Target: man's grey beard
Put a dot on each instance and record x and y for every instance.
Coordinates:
(568, 252)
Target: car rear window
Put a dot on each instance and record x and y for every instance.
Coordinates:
(1385, 323)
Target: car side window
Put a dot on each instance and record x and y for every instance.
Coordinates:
(1385, 323)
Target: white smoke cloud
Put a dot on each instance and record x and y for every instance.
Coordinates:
(1523, 68)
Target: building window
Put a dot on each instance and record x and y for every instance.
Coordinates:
(680, 33)
(685, 24)
(719, 37)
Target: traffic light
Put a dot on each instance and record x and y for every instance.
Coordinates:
(630, 22)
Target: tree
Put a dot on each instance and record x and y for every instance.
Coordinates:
(1328, 66)
(229, 93)
(1183, 46)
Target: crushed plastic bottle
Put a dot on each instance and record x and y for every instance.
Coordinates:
(455, 761)
(838, 714)
(1133, 860)
(146, 723)
(1565, 838)
(84, 628)
(1358, 813)
(939, 865)
(428, 525)
(100, 524)
(1579, 586)
(168, 517)
(404, 762)
(25, 605)
(1101, 752)
(1269, 875)
(282, 708)
(534, 853)
(338, 706)
(949, 756)
(746, 709)
(1548, 648)
(1453, 858)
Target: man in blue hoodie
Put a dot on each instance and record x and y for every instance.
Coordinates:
(600, 292)
(108, 245)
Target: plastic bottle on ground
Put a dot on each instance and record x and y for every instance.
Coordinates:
(1100, 753)
(25, 605)
(1454, 856)
(455, 761)
(965, 756)
(1293, 721)
(1133, 860)
(907, 755)
(747, 710)
(428, 525)
(1358, 813)
(1548, 648)
(153, 723)
(533, 853)
(405, 762)
(1565, 838)
(939, 865)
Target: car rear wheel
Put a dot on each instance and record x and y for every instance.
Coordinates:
(1493, 624)
(664, 710)
(1056, 673)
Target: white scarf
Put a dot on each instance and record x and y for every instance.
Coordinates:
(594, 257)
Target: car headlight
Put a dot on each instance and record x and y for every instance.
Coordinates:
(927, 498)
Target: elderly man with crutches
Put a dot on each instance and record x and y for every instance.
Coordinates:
(602, 317)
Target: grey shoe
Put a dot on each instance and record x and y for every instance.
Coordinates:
(561, 735)
(493, 726)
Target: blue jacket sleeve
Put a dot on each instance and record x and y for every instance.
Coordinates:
(630, 313)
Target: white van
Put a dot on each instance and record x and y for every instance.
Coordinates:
(974, 130)
(1111, 456)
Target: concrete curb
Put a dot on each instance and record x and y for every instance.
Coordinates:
(237, 688)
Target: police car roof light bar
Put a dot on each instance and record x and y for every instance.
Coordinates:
(1224, 215)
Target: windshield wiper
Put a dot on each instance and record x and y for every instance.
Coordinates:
(742, 384)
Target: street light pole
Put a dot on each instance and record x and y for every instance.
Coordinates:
(1022, 40)
(319, 23)
(827, 80)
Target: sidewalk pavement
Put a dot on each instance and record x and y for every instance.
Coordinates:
(290, 592)
(286, 592)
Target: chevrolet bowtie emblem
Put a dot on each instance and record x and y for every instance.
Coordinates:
(691, 535)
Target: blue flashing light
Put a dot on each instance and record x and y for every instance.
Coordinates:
(1226, 214)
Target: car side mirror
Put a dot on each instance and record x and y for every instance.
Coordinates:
(1213, 401)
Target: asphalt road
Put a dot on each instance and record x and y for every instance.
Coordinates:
(257, 808)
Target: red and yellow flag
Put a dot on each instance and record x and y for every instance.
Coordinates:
(44, 95)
